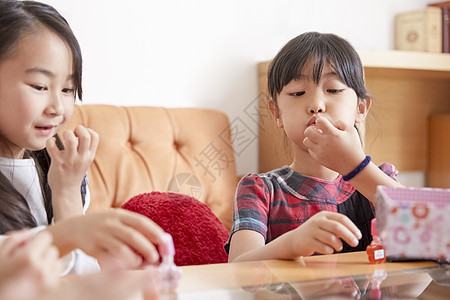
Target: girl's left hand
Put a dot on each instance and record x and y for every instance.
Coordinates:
(69, 166)
(337, 147)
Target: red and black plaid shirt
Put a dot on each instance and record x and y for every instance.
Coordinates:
(278, 201)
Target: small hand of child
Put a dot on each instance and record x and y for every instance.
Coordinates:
(68, 168)
(28, 265)
(337, 147)
(323, 233)
(118, 238)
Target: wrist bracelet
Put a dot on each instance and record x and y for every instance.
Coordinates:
(358, 169)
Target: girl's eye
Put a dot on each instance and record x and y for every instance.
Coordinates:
(335, 91)
(38, 87)
(297, 94)
(68, 91)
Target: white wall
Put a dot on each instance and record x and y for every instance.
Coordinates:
(203, 53)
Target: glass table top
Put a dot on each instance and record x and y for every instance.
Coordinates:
(422, 283)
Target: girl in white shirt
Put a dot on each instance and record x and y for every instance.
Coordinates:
(42, 186)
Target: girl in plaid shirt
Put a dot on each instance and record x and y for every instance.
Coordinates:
(322, 202)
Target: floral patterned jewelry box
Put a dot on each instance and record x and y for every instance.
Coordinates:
(414, 223)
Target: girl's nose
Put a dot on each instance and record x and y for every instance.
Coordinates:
(55, 105)
(317, 105)
(316, 110)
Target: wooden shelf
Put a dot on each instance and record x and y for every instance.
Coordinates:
(439, 62)
(395, 59)
(406, 87)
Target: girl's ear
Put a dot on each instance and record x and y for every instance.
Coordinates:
(362, 110)
(275, 113)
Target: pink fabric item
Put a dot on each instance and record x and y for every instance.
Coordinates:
(413, 222)
(197, 233)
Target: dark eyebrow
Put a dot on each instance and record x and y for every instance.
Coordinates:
(46, 72)
(42, 71)
(331, 74)
(307, 77)
(301, 76)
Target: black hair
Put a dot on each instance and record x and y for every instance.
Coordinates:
(21, 17)
(321, 48)
(18, 18)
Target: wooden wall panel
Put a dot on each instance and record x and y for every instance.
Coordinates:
(397, 132)
(439, 151)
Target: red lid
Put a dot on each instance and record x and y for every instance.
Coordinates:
(373, 227)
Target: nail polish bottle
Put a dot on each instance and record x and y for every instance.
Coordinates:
(375, 250)
(169, 272)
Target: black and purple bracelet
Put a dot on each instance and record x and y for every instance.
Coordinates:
(358, 169)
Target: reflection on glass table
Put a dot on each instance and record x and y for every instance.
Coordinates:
(433, 282)
(423, 283)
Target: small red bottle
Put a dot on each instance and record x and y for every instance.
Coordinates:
(375, 250)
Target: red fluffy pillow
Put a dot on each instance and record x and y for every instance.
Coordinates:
(197, 233)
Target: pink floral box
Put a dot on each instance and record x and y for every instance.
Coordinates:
(414, 223)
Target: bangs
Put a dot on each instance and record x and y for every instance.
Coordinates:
(319, 60)
(319, 49)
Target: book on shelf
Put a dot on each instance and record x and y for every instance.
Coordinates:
(445, 8)
(419, 30)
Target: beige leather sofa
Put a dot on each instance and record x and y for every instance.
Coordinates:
(144, 149)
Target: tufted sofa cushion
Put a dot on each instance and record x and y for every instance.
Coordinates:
(144, 149)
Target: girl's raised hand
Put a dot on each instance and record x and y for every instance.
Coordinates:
(323, 233)
(337, 147)
(118, 238)
(68, 168)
